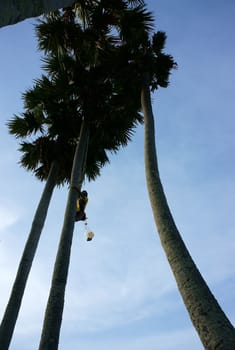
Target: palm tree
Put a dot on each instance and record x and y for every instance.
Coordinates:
(11, 313)
(209, 320)
(141, 61)
(54, 311)
(30, 160)
(150, 70)
(103, 100)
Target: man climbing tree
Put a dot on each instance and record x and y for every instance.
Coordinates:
(81, 205)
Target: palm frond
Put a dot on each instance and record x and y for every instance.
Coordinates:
(136, 2)
(26, 124)
(36, 96)
(135, 25)
(162, 66)
(158, 42)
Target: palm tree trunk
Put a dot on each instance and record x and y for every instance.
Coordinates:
(54, 310)
(11, 313)
(212, 325)
(13, 11)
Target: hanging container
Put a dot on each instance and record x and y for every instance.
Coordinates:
(89, 235)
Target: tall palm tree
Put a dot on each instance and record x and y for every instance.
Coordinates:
(212, 325)
(11, 312)
(150, 70)
(31, 161)
(54, 310)
(103, 100)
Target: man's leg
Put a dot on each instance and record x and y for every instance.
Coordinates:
(80, 216)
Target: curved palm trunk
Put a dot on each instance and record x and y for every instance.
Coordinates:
(11, 313)
(212, 325)
(13, 11)
(54, 310)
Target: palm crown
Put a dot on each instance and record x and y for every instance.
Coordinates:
(79, 85)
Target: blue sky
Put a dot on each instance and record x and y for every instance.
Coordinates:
(121, 292)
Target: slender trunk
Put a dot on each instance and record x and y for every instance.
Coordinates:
(54, 310)
(13, 11)
(214, 328)
(11, 313)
